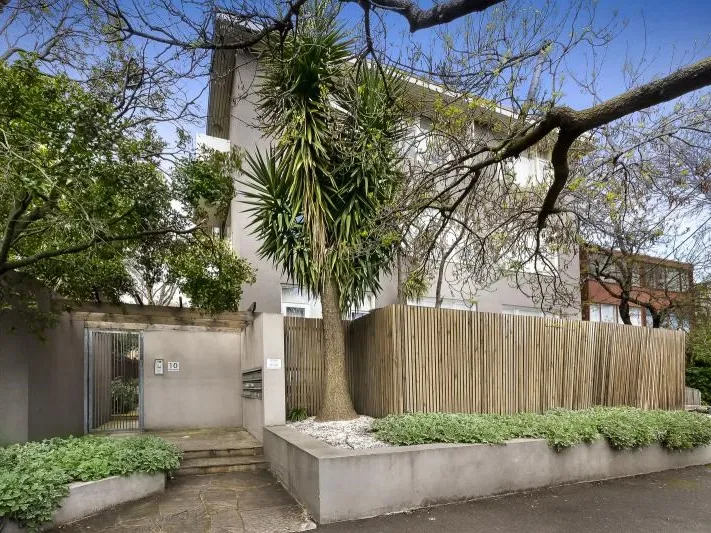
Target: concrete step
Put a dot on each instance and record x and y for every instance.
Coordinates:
(221, 465)
(224, 452)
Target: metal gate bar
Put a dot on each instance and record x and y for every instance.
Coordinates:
(114, 384)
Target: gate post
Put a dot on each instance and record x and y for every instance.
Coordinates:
(264, 349)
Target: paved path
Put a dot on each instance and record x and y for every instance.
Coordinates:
(670, 502)
(241, 502)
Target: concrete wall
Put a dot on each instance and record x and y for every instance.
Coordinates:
(337, 485)
(41, 379)
(205, 392)
(245, 133)
(56, 383)
(493, 298)
(14, 400)
(264, 348)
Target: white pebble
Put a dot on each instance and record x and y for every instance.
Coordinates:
(350, 434)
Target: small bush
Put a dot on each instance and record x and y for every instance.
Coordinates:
(297, 414)
(622, 427)
(699, 377)
(124, 395)
(35, 476)
(698, 342)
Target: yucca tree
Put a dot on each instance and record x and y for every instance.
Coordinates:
(334, 164)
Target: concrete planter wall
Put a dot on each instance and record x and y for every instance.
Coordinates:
(90, 497)
(336, 484)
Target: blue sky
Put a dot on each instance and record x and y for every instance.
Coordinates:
(667, 33)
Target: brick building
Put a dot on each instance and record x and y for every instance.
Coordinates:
(661, 283)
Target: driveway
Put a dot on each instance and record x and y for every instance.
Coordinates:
(668, 502)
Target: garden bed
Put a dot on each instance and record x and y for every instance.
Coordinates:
(354, 434)
(439, 458)
(621, 427)
(83, 475)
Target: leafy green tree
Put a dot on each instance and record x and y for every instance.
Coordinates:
(201, 265)
(314, 197)
(83, 198)
(73, 178)
(204, 184)
(208, 271)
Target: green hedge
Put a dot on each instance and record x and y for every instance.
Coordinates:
(35, 476)
(699, 377)
(623, 427)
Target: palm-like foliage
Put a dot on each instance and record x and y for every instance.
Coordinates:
(301, 82)
(316, 195)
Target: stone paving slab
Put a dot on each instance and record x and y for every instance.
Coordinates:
(239, 502)
(208, 439)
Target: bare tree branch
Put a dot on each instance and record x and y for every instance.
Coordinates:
(441, 13)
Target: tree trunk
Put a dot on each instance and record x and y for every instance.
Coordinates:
(625, 311)
(400, 297)
(440, 277)
(336, 403)
(656, 320)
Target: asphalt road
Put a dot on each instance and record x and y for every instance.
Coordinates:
(668, 502)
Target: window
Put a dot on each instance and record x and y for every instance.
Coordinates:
(636, 316)
(655, 277)
(294, 310)
(636, 278)
(608, 313)
(605, 267)
(611, 314)
(295, 302)
(418, 142)
(677, 279)
(447, 303)
(424, 130)
(603, 313)
(522, 311)
(594, 310)
(528, 169)
(672, 279)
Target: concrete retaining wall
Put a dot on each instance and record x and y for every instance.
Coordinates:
(336, 485)
(90, 497)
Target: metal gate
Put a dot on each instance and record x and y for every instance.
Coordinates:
(114, 380)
